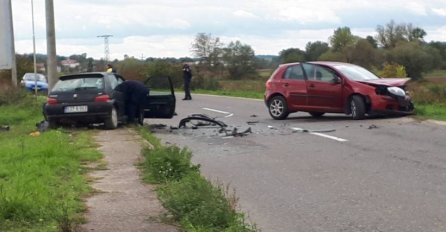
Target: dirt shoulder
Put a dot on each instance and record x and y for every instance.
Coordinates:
(123, 203)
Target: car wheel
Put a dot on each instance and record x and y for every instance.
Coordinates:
(112, 121)
(278, 108)
(141, 117)
(52, 124)
(357, 107)
(316, 114)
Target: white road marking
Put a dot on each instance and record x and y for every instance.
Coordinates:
(219, 111)
(320, 134)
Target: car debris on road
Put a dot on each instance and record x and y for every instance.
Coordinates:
(201, 120)
(4, 128)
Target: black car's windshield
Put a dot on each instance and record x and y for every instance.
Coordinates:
(79, 84)
(356, 73)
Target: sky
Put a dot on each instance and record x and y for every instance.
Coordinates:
(167, 28)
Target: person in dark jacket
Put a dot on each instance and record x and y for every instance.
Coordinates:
(134, 93)
(187, 77)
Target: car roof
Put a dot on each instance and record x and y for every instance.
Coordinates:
(328, 63)
(33, 74)
(83, 75)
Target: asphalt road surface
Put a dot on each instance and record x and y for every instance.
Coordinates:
(327, 174)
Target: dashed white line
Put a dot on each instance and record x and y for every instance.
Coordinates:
(228, 114)
(322, 135)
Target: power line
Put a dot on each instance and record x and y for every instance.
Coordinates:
(106, 48)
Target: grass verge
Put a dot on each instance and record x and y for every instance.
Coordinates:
(41, 177)
(193, 201)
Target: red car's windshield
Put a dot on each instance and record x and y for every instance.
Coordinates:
(356, 73)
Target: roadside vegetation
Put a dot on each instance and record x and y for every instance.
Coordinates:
(429, 96)
(42, 179)
(193, 202)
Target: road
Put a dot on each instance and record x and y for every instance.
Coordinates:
(379, 174)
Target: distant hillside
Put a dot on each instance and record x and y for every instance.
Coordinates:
(267, 57)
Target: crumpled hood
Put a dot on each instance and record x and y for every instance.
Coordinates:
(387, 81)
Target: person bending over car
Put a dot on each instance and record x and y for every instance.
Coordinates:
(134, 93)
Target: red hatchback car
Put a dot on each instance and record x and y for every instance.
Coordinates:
(333, 87)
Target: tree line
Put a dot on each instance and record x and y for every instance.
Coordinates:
(395, 50)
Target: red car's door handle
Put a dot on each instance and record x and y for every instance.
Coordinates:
(286, 84)
(311, 86)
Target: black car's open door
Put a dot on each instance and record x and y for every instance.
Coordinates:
(160, 102)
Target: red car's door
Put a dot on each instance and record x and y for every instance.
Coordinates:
(323, 88)
(295, 87)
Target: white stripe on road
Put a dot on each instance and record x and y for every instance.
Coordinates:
(322, 135)
(219, 111)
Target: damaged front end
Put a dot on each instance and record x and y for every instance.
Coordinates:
(390, 99)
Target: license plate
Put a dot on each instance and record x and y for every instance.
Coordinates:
(76, 109)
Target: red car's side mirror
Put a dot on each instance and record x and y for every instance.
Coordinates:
(336, 80)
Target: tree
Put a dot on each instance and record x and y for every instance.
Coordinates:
(314, 50)
(208, 49)
(364, 54)
(132, 69)
(441, 47)
(292, 55)
(341, 39)
(24, 65)
(240, 60)
(372, 41)
(390, 35)
(415, 58)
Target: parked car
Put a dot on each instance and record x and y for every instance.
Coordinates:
(31, 80)
(333, 87)
(91, 98)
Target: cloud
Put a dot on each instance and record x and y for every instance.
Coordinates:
(244, 14)
(305, 16)
(418, 8)
(167, 28)
(439, 11)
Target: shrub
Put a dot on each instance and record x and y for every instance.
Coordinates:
(9, 96)
(203, 82)
(428, 93)
(393, 70)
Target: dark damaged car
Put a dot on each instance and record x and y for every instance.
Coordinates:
(334, 87)
(91, 98)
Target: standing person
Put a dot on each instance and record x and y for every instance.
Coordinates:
(135, 94)
(187, 77)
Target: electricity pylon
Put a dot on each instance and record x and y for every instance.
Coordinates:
(106, 48)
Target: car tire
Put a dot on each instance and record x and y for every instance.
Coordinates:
(112, 121)
(140, 118)
(278, 108)
(316, 114)
(53, 124)
(357, 107)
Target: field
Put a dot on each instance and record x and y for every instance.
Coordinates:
(42, 179)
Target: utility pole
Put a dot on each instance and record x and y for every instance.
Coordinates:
(7, 50)
(34, 50)
(106, 48)
(51, 44)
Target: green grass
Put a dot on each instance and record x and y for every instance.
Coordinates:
(192, 201)
(431, 111)
(41, 177)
